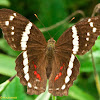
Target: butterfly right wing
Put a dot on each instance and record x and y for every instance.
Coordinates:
(19, 32)
(31, 69)
(23, 35)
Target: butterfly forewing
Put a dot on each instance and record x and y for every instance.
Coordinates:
(80, 37)
(17, 30)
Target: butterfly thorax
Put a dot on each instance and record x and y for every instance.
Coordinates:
(50, 48)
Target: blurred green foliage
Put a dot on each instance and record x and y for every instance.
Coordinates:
(50, 12)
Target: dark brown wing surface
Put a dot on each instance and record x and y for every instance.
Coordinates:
(81, 37)
(19, 31)
(77, 40)
(64, 71)
(23, 35)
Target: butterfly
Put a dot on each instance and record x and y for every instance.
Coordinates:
(41, 60)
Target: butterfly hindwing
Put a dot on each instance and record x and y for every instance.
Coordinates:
(31, 71)
(65, 69)
(78, 39)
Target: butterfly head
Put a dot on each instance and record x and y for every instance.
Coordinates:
(51, 44)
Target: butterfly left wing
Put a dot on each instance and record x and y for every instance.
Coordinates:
(78, 39)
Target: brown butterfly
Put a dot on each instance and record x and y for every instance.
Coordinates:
(41, 60)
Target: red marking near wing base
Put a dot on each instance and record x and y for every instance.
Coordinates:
(35, 72)
(61, 67)
(60, 74)
(35, 66)
(57, 76)
(37, 75)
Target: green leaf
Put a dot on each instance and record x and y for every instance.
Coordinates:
(7, 65)
(54, 98)
(6, 48)
(45, 95)
(86, 61)
(3, 86)
(14, 89)
(78, 94)
(4, 3)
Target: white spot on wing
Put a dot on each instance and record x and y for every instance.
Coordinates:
(14, 14)
(25, 54)
(11, 18)
(70, 65)
(23, 44)
(63, 87)
(12, 27)
(29, 85)
(87, 39)
(12, 39)
(85, 44)
(75, 40)
(67, 79)
(25, 61)
(72, 58)
(27, 76)
(35, 87)
(91, 24)
(12, 33)
(89, 20)
(88, 34)
(26, 68)
(69, 72)
(23, 48)
(25, 36)
(94, 29)
(57, 88)
(6, 23)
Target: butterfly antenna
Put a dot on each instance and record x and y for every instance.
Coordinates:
(41, 23)
(68, 22)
